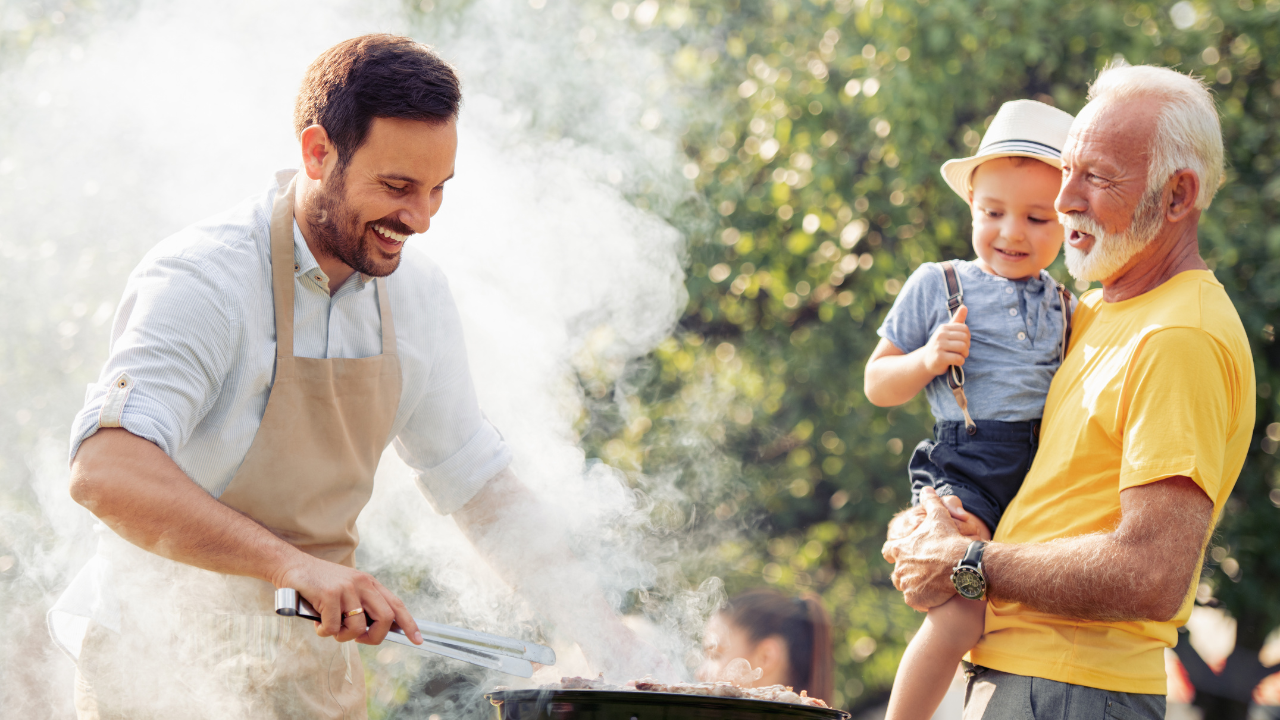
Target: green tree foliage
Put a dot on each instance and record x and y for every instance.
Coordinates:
(817, 154)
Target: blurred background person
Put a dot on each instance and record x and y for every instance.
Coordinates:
(787, 641)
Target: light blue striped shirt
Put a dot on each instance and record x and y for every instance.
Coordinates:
(1015, 329)
(195, 331)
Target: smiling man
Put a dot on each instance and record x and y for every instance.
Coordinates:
(1092, 567)
(260, 363)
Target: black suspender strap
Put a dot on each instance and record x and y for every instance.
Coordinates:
(955, 373)
(1065, 296)
(955, 293)
(955, 298)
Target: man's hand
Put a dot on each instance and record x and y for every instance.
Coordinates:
(334, 590)
(902, 525)
(926, 557)
(949, 344)
(141, 494)
(906, 522)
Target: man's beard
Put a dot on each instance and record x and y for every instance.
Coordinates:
(1111, 251)
(337, 231)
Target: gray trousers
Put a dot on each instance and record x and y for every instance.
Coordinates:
(995, 695)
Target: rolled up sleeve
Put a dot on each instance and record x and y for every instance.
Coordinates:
(451, 446)
(452, 483)
(170, 348)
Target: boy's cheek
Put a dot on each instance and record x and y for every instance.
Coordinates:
(1054, 234)
(984, 231)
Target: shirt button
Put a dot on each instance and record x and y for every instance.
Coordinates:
(1008, 290)
(1022, 336)
(1013, 312)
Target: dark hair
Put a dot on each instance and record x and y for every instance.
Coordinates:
(372, 76)
(802, 623)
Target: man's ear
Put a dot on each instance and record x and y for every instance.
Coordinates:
(1183, 189)
(770, 655)
(318, 152)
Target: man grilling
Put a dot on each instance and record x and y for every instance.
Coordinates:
(260, 363)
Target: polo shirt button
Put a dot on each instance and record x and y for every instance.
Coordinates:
(1013, 312)
(1022, 336)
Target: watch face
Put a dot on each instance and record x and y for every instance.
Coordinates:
(969, 583)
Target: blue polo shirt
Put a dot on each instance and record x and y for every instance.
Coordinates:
(1015, 343)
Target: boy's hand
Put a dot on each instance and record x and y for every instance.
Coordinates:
(966, 522)
(949, 345)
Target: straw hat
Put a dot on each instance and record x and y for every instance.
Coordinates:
(1022, 128)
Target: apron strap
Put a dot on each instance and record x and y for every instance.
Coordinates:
(384, 311)
(955, 373)
(282, 267)
(282, 278)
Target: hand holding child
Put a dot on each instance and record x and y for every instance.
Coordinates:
(949, 345)
(907, 521)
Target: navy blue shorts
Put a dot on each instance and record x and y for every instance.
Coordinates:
(984, 470)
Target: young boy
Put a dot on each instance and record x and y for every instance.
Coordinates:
(982, 339)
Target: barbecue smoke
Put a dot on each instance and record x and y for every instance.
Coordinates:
(129, 122)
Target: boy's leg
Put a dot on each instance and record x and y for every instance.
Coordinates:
(932, 657)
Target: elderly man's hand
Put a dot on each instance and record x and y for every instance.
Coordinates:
(902, 525)
(926, 557)
(906, 522)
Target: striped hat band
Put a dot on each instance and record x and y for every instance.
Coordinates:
(1021, 146)
(1024, 128)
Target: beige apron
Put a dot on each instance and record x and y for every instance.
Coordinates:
(201, 644)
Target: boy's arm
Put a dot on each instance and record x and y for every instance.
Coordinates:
(894, 377)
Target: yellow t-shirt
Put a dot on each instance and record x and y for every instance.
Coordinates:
(1153, 387)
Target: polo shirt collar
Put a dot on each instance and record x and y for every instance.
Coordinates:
(1035, 284)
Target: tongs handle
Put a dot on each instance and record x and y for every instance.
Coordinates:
(495, 652)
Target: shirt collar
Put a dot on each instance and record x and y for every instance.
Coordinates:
(304, 263)
(1033, 285)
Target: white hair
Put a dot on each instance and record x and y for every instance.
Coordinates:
(1188, 132)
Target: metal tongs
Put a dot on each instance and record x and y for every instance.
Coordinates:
(504, 654)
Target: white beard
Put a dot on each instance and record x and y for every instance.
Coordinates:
(1111, 251)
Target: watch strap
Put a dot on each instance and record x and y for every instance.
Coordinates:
(973, 554)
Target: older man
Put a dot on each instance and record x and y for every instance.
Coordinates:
(1145, 429)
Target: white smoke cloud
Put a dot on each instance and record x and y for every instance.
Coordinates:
(124, 125)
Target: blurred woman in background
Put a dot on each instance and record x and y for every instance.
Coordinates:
(786, 640)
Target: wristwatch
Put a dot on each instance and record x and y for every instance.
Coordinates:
(967, 576)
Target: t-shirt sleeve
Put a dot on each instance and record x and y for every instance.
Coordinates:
(451, 446)
(170, 351)
(1178, 410)
(921, 306)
